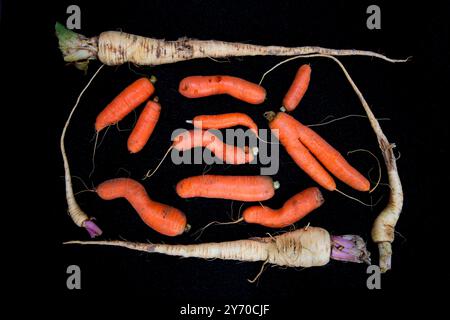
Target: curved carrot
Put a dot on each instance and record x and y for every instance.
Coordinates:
(241, 188)
(292, 211)
(285, 128)
(160, 217)
(129, 99)
(225, 120)
(144, 127)
(203, 86)
(298, 88)
(331, 158)
(200, 138)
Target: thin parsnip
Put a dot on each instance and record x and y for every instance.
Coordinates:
(307, 247)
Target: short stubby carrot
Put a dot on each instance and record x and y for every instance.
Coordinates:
(240, 188)
(292, 211)
(285, 129)
(129, 99)
(204, 138)
(203, 86)
(298, 88)
(225, 120)
(331, 158)
(144, 127)
(160, 217)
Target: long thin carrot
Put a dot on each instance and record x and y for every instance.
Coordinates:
(328, 156)
(129, 99)
(298, 88)
(160, 217)
(225, 120)
(292, 211)
(285, 129)
(144, 126)
(203, 86)
(241, 188)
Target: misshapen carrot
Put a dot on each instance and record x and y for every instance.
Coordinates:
(201, 138)
(160, 217)
(285, 129)
(129, 99)
(144, 127)
(292, 211)
(203, 86)
(225, 120)
(331, 158)
(241, 188)
(298, 88)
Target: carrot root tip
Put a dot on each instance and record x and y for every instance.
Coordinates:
(350, 248)
(276, 185)
(189, 121)
(92, 228)
(255, 151)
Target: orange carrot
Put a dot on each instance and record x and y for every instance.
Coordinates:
(200, 138)
(129, 99)
(241, 188)
(292, 211)
(225, 120)
(285, 129)
(298, 88)
(144, 127)
(331, 158)
(160, 217)
(203, 86)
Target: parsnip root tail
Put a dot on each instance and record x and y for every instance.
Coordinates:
(79, 217)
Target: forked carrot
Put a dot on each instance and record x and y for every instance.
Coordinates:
(241, 188)
(160, 217)
(203, 86)
(284, 129)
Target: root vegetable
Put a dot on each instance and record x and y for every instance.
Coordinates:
(298, 88)
(292, 211)
(307, 247)
(241, 188)
(128, 100)
(204, 138)
(225, 120)
(115, 48)
(144, 127)
(160, 217)
(204, 86)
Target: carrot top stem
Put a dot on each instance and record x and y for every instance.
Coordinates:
(269, 115)
(350, 248)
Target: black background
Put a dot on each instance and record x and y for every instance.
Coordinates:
(407, 93)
